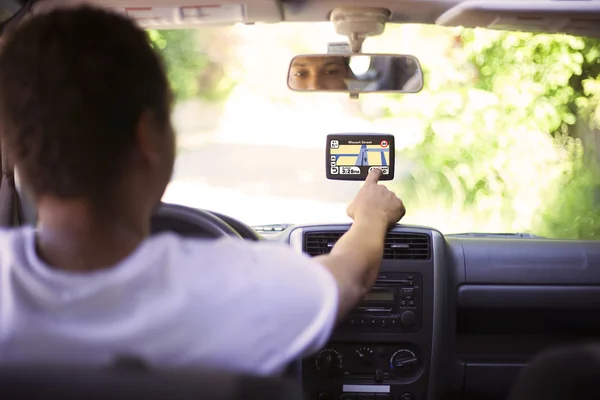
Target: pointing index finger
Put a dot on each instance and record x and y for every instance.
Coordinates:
(373, 177)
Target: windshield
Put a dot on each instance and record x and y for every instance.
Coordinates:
(503, 137)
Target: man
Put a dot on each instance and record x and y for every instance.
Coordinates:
(84, 112)
(320, 73)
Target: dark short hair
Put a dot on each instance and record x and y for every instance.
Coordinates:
(73, 86)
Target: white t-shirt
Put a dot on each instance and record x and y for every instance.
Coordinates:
(230, 304)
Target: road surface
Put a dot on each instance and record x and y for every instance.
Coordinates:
(263, 170)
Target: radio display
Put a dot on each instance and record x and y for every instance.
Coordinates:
(379, 296)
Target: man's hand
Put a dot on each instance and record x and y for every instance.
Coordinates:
(375, 203)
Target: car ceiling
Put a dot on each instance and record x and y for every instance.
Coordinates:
(567, 16)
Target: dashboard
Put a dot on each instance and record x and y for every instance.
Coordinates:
(453, 317)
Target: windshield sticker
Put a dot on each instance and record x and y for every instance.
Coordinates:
(338, 48)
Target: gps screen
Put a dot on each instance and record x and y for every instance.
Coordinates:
(352, 156)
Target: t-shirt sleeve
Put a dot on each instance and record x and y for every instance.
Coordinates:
(301, 296)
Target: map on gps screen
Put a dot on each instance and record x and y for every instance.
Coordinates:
(361, 155)
(353, 156)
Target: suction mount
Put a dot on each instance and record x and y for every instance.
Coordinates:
(358, 23)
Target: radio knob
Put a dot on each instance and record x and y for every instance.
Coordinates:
(365, 355)
(408, 318)
(329, 362)
(403, 363)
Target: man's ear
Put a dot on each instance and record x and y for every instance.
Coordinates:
(148, 139)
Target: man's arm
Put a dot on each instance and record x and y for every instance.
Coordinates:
(355, 259)
(354, 263)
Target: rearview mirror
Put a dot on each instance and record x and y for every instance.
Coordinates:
(355, 73)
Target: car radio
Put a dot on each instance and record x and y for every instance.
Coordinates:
(364, 361)
(393, 305)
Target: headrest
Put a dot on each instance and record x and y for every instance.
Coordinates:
(569, 372)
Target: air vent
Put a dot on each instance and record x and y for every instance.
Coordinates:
(407, 246)
(317, 243)
(398, 245)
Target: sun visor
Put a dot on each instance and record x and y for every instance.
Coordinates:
(572, 17)
(151, 17)
(169, 14)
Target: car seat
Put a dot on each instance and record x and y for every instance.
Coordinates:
(134, 383)
(570, 372)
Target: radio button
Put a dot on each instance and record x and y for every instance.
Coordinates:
(407, 291)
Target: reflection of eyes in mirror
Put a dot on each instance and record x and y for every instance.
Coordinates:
(319, 73)
(358, 73)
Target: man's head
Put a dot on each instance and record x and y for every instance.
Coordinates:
(85, 108)
(319, 73)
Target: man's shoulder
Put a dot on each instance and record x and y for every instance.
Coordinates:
(14, 243)
(228, 245)
(14, 237)
(229, 257)
(13, 232)
(230, 248)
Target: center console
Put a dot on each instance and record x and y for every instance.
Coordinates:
(390, 346)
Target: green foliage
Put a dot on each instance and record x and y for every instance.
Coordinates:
(573, 211)
(549, 81)
(534, 74)
(488, 117)
(191, 72)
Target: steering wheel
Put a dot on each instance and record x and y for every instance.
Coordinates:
(189, 222)
(245, 231)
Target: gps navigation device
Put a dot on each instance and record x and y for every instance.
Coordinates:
(351, 156)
